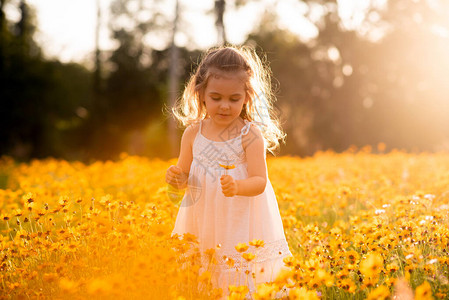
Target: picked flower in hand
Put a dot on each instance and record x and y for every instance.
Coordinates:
(227, 167)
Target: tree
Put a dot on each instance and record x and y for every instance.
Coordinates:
(40, 98)
(363, 85)
(220, 6)
(303, 85)
(173, 84)
(410, 64)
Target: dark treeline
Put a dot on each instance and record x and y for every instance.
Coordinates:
(386, 82)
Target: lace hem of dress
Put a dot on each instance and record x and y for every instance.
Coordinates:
(231, 259)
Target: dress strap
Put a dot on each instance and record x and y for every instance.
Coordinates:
(246, 128)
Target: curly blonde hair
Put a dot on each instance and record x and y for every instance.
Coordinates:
(190, 109)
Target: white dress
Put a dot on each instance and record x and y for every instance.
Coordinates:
(226, 221)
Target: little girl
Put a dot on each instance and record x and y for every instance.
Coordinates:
(229, 200)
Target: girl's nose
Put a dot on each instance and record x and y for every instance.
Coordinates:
(224, 105)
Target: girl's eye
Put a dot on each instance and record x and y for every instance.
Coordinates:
(215, 98)
(235, 100)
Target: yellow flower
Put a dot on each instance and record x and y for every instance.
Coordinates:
(99, 286)
(29, 205)
(22, 234)
(227, 167)
(210, 254)
(352, 256)
(237, 292)
(241, 247)
(393, 267)
(423, 292)
(188, 237)
(284, 275)
(323, 277)
(265, 291)
(380, 293)
(347, 284)
(67, 285)
(302, 294)
(28, 198)
(257, 243)
(248, 256)
(229, 261)
(372, 265)
(290, 261)
(205, 277)
(50, 277)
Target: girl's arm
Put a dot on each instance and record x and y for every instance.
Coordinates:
(178, 175)
(254, 147)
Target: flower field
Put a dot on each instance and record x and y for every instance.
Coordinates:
(360, 226)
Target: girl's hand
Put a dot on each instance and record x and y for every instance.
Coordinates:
(176, 177)
(228, 186)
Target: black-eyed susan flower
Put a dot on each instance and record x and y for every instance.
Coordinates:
(188, 237)
(393, 267)
(352, 256)
(423, 292)
(347, 284)
(372, 265)
(289, 261)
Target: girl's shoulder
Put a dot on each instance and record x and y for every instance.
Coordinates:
(191, 131)
(193, 127)
(254, 129)
(253, 135)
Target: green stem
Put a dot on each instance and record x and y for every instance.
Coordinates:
(9, 229)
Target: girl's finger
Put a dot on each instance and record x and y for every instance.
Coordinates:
(227, 186)
(225, 182)
(174, 169)
(173, 178)
(168, 177)
(225, 179)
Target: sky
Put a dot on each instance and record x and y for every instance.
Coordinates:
(67, 27)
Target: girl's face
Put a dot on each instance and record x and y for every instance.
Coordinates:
(224, 98)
